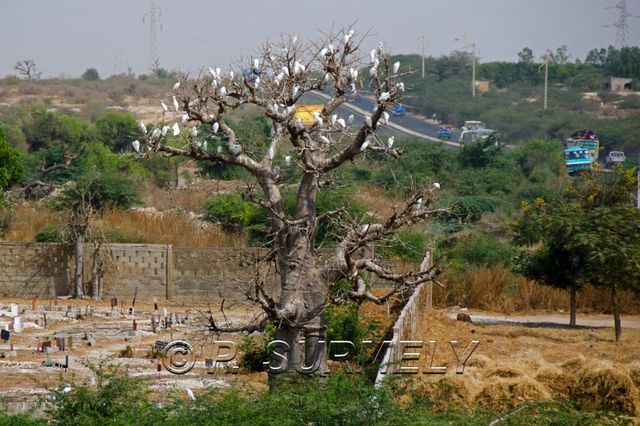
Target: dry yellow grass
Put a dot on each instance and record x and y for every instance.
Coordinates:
(189, 199)
(170, 228)
(25, 219)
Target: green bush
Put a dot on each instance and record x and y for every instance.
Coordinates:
(479, 250)
(234, 213)
(254, 350)
(407, 246)
(344, 323)
(52, 234)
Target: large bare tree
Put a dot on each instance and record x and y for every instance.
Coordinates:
(275, 81)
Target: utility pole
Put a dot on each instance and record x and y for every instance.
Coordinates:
(473, 70)
(546, 80)
(422, 56)
(153, 14)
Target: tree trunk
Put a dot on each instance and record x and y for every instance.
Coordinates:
(573, 290)
(616, 312)
(78, 291)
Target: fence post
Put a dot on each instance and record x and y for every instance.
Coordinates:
(169, 271)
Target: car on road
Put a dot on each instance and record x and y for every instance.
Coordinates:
(615, 157)
(444, 132)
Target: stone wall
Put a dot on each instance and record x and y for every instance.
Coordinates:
(156, 270)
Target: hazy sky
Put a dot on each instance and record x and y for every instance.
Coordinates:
(69, 36)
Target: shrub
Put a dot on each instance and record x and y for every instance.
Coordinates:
(254, 349)
(234, 213)
(52, 234)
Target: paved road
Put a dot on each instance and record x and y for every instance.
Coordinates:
(410, 124)
(549, 320)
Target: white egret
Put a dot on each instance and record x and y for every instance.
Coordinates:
(419, 203)
(324, 51)
(390, 141)
(156, 133)
(327, 76)
(384, 96)
(231, 75)
(350, 118)
(331, 48)
(353, 87)
(347, 37)
(294, 90)
(176, 86)
(184, 119)
(400, 86)
(436, 185)
(325, 139)
(256, 63)
(294, 40)
(364, 229)
(176, 129)
(385, 117)
(236, 149)
(143, 127)
(218, 71)
(256, 82)
(372, 55)
(136, 145)
(164, 106)
(342, 123)
(176, 105)
(194, 131)
(216, 126)
(212, 72)
(317, 118)
(373, 71)
(219, 149)
(287, 161)
(368, 121)
(165, 129)
(66, 389)
(214, 83)
(396, 67)
(364, 146)
(334, 117)
(285, 70)
(198, 144)
(205, 145)
(223, 91)
(190, 394)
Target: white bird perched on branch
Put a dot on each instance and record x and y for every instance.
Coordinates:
(384, 96)
(223, 91)
(256, 82)
(350, 118)
(215, 127)
(368, 121)
(396, 67)
(341, 122)
(165, 129)
(212, 72)
(298, 68)
(390, 142)
(325, 139)
(400, 86)
(143, 128)
(136, 145)
(176, 105)
(324, 52)
(294, 90)
(176, 86)
(419, 203)
(184, 119)
(256, 63)
(326, 78)
(348, 36)
(236, 149)
(334, 118)
(164, 106)
(373, 55)
(194, 132)
(219, 149)
(364, 146)
(231, 75)
(385, 117)
(205, 145)
(287, 161)
(436, 185)
(156, 133)
(317, 118)
(176, 129)
(373, 71)
(285, 70)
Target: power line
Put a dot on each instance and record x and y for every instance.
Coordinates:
(154, 14)
(622, 29)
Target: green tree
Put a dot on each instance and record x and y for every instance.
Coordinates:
(10, 166)
(117, 129)
(525, 56)
(91, 74)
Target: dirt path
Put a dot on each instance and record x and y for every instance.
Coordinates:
(556, 321)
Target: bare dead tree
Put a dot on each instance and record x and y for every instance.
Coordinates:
(275, 81)
(27, 69)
